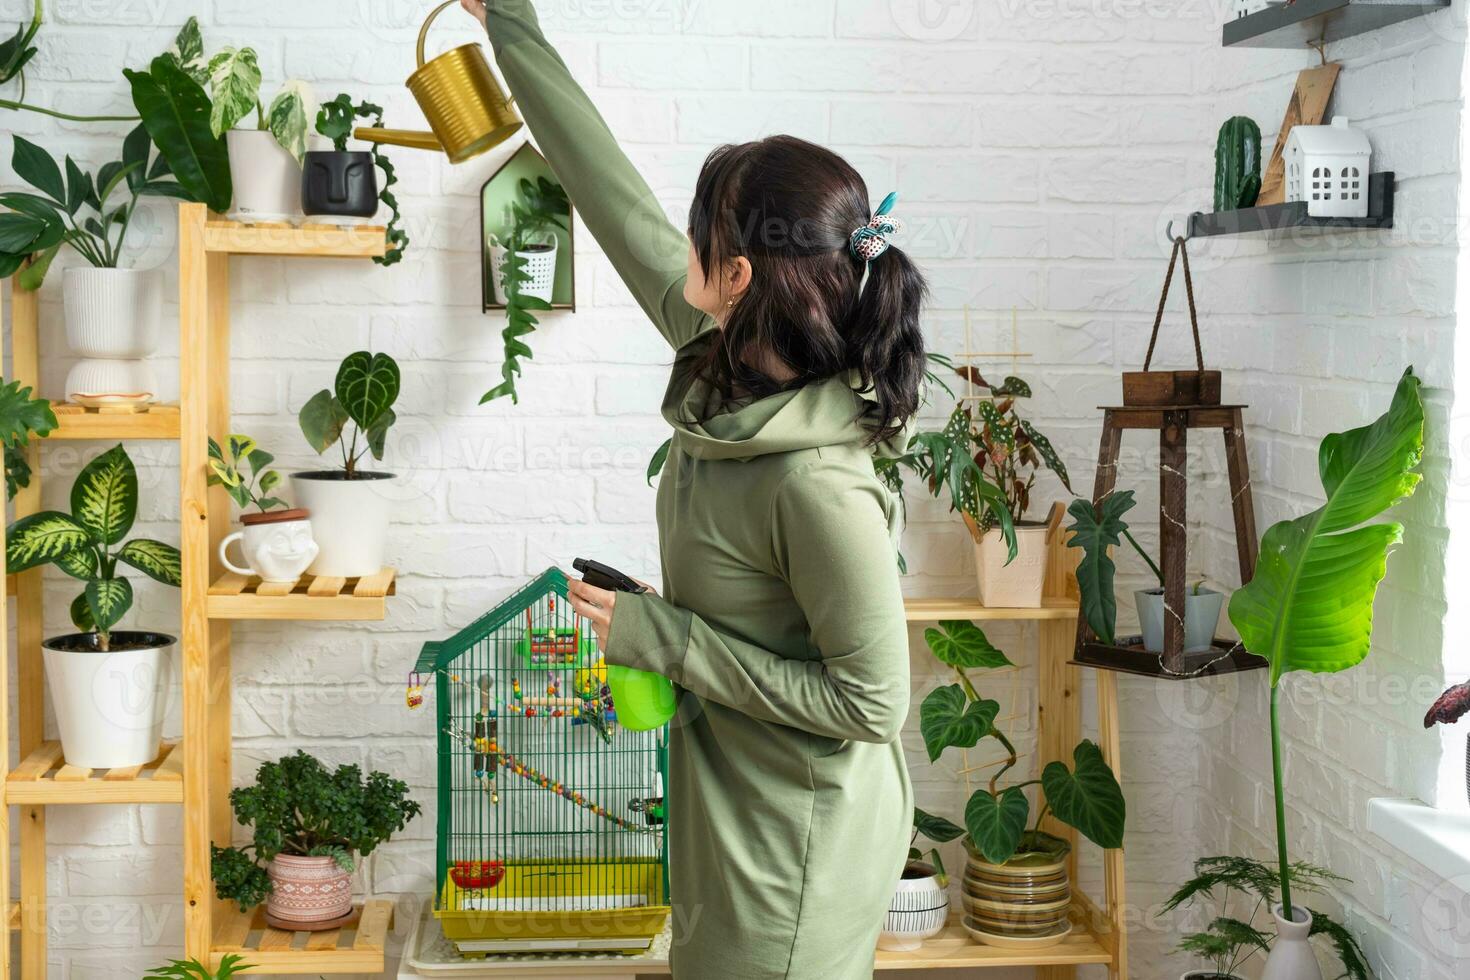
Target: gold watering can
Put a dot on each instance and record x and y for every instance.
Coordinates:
(467, 109)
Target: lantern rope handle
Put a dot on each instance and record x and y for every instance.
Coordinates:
(1180, 248)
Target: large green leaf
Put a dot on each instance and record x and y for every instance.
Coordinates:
(176, 110)
(1095, 529)
(104, 497)
(18, 231)
(1310, 605)
(81, 563)
(42, 537)
(996, 825)
(367, 386)
(947, 718)
(937, 829)
(21, 417)
(107, 600)
(1089, 797)
(960, 643)
(155, 559)
(234, 87)
(322, 420)
(36, 167)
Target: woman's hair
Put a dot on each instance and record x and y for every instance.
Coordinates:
(790, 207)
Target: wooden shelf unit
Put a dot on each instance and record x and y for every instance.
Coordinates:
(196, 771)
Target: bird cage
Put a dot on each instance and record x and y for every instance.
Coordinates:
(1327, 167)
(551, 815)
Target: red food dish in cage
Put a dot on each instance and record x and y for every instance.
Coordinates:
(477, 874)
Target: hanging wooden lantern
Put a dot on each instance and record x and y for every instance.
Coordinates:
(1172, 406)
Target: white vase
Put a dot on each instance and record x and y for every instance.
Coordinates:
(349, 520)
(540, 266)
(111, 313)
(1201, 616)
(1017, 585)
(278, 546)
(919, 910)
(109, 706)
(1291, 956)
(266, 178)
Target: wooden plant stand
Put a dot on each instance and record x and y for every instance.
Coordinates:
(195, 771)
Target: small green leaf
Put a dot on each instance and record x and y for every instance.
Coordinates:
(78, 186)
(937, 829)
(322, 420)
(960, 643)
(996, 825)
(1090, 798)
(270, 479)
(947, 718)
(660, 456)
(286, 118)
(104, 497)
(377, 433)
(1047, 453)
(36, 167)
(108, 599)
(81, 614)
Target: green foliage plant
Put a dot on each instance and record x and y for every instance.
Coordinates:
(300, 807)
(1096, 529)
(16, 53)
(87, 544)
(334, 120)
(229, 965)
(21, 417)
(364, 393)
(245, 473)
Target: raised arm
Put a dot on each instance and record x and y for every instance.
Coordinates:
(650, 254)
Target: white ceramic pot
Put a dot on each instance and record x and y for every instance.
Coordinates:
(308, 890)
(349, 520)
(109, 706)
(111, 313)
(540, 266)
(278, 546)
(1018, 584)
(919, 910)
(95, 382)
(266, 178)
(1201, 616)
(1291, 956)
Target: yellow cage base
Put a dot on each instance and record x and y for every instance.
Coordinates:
(569, 900)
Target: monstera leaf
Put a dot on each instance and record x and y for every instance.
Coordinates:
(947, 718)
(960, 643)
(367, 386)
(995, 824)
(1310, 605)
(1095, 529)
(104, 498)
(1087, 796)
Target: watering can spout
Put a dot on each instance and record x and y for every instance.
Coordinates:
(414, 139)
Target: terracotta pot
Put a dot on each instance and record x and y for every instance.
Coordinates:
(1291, 956)
(308, 889)
(1017, 585)
(919, 910)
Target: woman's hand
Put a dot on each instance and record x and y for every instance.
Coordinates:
(475, 8)
(595, 604)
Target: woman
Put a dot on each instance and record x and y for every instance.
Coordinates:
(797, 352)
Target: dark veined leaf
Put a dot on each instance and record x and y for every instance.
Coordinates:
(41, 538)
(947, 718)
(104, 497)
(960, 643)
(322, 420)
(1048, 454)
(81, 614)
(367, 386)
(176, 110)
(1095, 530)
(660, 456)
(81, 564)
(155, 559)
(36, 167)
(995, 825)
(937, 829)
(1088, 798)
(997, 430)
(30, 204)
(108, 599)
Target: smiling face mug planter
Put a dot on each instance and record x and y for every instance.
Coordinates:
(277, 546)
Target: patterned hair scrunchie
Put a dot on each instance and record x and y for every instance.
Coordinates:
(871, 240)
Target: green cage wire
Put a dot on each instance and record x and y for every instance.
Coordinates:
(551, 815)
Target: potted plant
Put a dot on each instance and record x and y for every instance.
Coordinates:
(341, 183)
(229, 965)
(1449, 708)
(1229, 941)
(112, 313)
(920, 906)
(1310, 604)
(306, 823)
(1016, 879)
(1097, 530)
(104, 724)
(21, 416)
(350, 507)
(277, 544)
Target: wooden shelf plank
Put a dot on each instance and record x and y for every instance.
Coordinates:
(45, 778)
(344, 241)
(354, 949)
(933, 610)
(236, 597)
(1310, 22)
(75, 422)
(953, 949)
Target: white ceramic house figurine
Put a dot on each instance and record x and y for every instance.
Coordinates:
(1327, 166)
(1244, 8)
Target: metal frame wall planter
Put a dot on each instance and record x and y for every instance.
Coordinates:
(497, 192)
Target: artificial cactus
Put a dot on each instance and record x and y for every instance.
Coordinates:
(1237, 164)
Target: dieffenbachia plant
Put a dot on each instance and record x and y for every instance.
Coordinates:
(365, 390)
(1086, 796)
(1310, 605)
(85, 543)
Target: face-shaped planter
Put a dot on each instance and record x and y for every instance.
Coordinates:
(339, 183)
(277, 546)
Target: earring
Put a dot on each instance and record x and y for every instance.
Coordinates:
(729, 304)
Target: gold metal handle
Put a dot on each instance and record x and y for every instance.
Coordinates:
(424, 31)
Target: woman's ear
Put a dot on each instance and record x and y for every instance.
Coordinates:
(738, 275)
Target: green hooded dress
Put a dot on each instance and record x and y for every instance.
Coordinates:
(782, 623)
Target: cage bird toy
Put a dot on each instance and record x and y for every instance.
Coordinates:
(551, 815)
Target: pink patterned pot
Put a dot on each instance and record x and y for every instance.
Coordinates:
(308, 889)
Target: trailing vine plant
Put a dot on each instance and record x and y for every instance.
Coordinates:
(334, 121)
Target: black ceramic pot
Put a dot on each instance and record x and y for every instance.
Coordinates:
(339, 183)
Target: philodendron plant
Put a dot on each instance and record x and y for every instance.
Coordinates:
(21, 417)
(87, 544)
(365, 390)
(1310, 605)
(1097, 529)
(1086, 796)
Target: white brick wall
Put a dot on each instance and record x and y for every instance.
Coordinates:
(1038, 145)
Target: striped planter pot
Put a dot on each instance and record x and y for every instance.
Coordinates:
(919, 910)
(308, 889)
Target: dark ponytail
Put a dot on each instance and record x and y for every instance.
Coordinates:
(791, 207)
